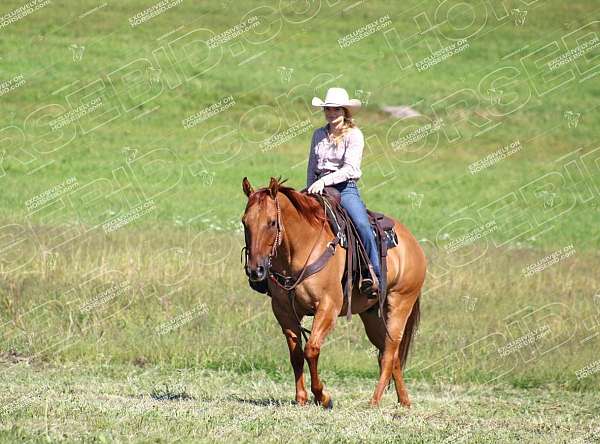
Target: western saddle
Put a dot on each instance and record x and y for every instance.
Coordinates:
(358, 264)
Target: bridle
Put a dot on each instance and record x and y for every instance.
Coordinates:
(278, 236)
(276, 243)
(275, 247)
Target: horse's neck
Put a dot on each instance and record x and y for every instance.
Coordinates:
(299, 237)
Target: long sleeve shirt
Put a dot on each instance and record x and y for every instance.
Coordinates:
(342, 160)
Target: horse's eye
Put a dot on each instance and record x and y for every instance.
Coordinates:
(272, 224)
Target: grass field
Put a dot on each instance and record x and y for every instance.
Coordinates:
(119, 403)
(103, 120)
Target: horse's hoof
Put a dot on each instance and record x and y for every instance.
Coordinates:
(404, 399)
(405, 403)
(328, 403)
(300, 402)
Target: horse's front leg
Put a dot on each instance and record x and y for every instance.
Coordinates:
(291, 330)
(324, 322)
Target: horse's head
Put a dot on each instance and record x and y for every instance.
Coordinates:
(262, 228)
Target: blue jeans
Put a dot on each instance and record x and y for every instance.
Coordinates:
(355, 207)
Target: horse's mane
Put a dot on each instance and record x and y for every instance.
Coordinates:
(307, 205)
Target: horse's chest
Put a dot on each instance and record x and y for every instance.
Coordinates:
(304, 300)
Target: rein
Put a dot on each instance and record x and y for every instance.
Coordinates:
(274, 275)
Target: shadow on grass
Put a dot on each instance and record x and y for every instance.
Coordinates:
(168, 393)
(263, 402)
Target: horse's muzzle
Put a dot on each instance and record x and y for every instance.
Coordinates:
(257, 274)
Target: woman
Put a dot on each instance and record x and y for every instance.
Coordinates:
(335, 157)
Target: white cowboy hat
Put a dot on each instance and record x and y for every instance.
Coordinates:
(337, 97)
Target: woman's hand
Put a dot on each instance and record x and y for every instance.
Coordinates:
(317, 187)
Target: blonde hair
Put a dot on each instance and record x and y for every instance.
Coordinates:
(347, 125)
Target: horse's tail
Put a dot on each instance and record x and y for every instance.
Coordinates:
(412, 323)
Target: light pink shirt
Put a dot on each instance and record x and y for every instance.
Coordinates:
(343, 159)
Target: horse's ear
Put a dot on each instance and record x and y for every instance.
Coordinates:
(273, 187)
(248, 190)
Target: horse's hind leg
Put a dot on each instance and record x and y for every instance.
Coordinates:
(401, 391)
(399, 309)
(376, 333)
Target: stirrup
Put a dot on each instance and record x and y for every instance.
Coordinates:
(369, 286)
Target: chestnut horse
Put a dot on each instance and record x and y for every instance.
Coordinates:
(297, 236)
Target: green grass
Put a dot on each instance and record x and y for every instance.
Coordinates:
(179, 263)
(128, 403)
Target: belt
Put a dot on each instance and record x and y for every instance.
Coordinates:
(321, 173)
